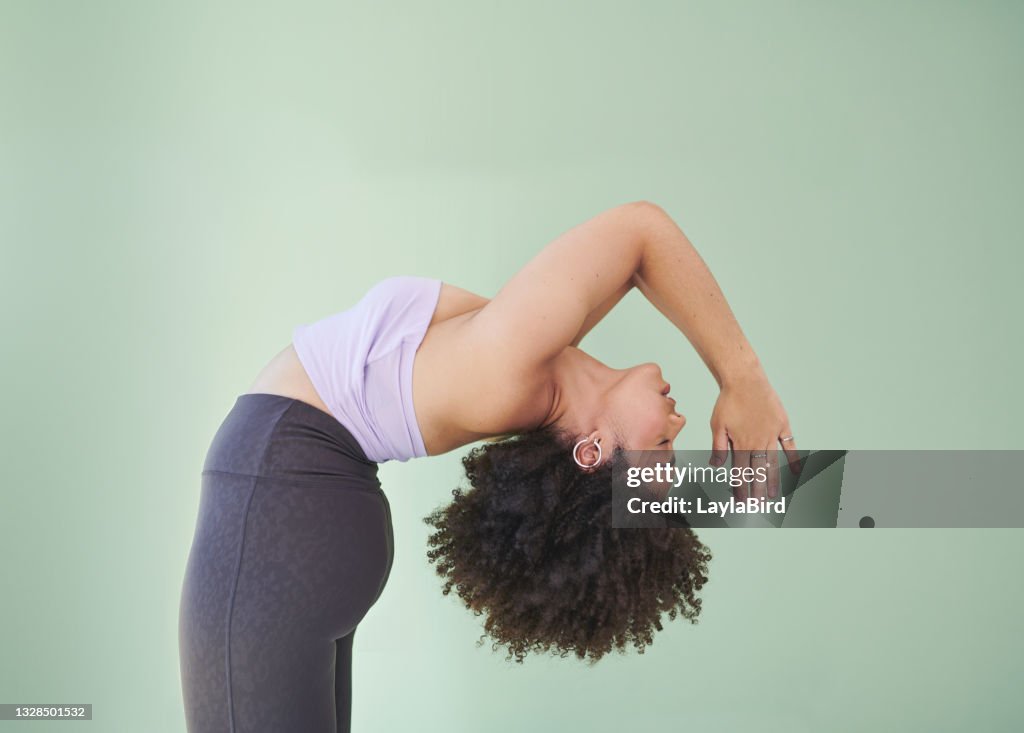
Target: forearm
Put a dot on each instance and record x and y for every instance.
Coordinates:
(675, 279)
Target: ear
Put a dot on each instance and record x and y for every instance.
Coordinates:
(589, 453)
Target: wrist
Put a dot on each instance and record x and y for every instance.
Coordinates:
(739, 370)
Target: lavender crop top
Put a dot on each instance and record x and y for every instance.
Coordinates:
(360, 362)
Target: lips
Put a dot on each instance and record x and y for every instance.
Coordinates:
(666, 388)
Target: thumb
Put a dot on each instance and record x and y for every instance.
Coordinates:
(719, 445)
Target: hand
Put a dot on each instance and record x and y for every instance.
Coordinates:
(749, 416)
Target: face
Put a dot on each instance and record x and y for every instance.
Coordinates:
(641, 412)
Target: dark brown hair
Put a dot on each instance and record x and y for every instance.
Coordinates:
(531, 545)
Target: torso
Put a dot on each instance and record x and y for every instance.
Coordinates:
(445, 389)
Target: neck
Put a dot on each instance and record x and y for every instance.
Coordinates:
(580, 384)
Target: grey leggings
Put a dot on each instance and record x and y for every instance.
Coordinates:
(293, 545)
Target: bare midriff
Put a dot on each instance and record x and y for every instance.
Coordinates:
(285, 376)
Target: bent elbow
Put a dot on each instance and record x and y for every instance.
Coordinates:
(646, 206)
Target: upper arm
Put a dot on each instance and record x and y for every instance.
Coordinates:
(455, 301)
(595, 316)
(560, 293)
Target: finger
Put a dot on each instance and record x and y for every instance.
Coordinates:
(740, 462)
(773, 471)
(758, 466)
(789, 446)
(719, 446)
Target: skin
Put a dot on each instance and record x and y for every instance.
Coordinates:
(491, 367)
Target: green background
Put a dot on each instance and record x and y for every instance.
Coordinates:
(182, 183)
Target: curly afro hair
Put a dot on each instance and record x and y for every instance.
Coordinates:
(531, 545)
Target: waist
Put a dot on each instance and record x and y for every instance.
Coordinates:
(274, 436)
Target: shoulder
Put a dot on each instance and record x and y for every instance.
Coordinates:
(464, 392)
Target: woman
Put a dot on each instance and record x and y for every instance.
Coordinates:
(293, 543)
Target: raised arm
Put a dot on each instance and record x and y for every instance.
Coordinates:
(574, 281)
(578, 277)
(560, 293)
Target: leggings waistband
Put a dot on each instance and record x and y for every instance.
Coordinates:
(273, 436)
